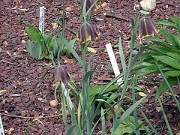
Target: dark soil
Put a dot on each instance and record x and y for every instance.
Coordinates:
(22, 101)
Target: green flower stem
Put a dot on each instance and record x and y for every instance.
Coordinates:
(83, 51)
(63, 22)
(85, 92)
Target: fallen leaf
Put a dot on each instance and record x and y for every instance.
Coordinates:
(2, 92)
(91, 50)
(54, 25)
(103, 78)
(67, 60)
(104, 5)
(142, 94)
(24, 9)
(10, 130)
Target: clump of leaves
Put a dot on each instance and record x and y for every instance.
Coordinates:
(163, 55)
(45, 46)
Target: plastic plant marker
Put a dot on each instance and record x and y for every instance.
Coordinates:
(41, 19)
(1, 127)
(113, 61)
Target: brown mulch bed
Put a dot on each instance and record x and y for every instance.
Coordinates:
(23, 99)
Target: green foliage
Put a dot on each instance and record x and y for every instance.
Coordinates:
(45, 46)
(34, 50)
(127, 126)
(165, 50)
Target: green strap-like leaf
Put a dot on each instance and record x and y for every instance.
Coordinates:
(163, 87)
(166, 23)
(71, 49)
(177, 21)
(169, 37)
(173, 73)
(168, 60)
(129, 111)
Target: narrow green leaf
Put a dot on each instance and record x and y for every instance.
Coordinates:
(123, 63)
(133, 62)
(103, 122)
(129, 111)
(166, 23)
(177, 21)
(148, 122)
(177, 38)
(163, 49)
(169, 37)
(173, 73)
(71, 49)
(98, 89)
(165, 117)
(168, 60)
(147, 70)
(154, 39)
(163, 86)
(87, 76)
(70, 129)
(174, 55)
(113, 113)
(169, 87)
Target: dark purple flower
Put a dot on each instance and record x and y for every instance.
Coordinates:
(87, 33)
(60, 74)
(147, 28)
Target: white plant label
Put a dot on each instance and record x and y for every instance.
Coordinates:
(41, 19)
(113, 60)
(1, 127)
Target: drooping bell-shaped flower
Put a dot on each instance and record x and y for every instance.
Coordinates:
(87, 33)
(147, 27)
(60, 74)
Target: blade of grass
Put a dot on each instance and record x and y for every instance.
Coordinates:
(169, 86)
(123, 63)
(149, 123)
(134, 101)
(103, 122)
(113, 113)
(71, 49)
(129, 111)
(165, 117)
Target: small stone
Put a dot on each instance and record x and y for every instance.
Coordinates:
(69, 9)
(23, 41)
(53, 103)
(148, 5)
(5, 43)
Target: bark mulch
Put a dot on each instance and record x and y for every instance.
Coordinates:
(22, 100)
